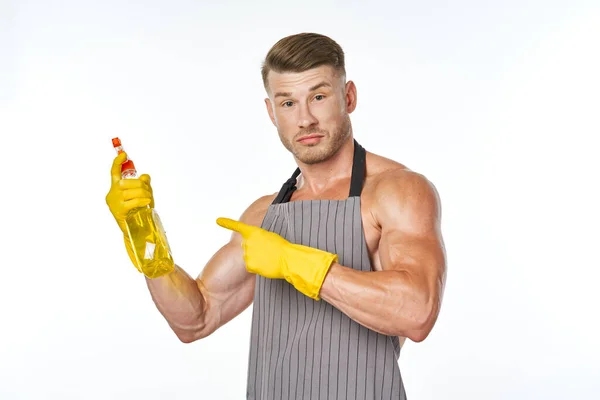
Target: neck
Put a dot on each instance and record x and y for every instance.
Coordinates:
(317, 177)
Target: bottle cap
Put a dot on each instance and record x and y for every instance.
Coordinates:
(116, 142)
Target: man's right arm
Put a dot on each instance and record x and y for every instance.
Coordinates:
(195, 308)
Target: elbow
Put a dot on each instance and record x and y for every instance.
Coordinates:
(425, 320)
(190, 335)
(195, 330)
(186, 337)
(417, 333)
(422, 327)
(418, 336)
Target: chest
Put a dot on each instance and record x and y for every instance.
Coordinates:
(346, 227)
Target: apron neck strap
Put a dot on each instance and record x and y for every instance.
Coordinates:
(356, 181)
(358, 170)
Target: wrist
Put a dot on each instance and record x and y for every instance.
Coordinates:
(306, 268)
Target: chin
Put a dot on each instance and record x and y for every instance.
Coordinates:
(314, 154)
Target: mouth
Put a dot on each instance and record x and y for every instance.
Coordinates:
(309, 139)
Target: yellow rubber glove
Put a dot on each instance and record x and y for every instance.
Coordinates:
(125, 195)
(270, 255)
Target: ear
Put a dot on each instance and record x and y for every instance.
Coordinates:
(270, 110)
(351, 96)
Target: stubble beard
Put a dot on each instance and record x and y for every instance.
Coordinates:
(322, 151)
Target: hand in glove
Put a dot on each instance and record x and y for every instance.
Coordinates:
(125, 195)
(271, 256)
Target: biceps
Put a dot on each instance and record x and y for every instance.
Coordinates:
(225, 273)
(228, 286)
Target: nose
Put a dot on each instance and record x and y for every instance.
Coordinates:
(305, 117)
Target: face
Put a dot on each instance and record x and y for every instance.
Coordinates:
(311, 111)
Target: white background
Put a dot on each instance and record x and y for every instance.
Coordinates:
(496, 102)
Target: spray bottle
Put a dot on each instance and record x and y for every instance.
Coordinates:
(145, 231)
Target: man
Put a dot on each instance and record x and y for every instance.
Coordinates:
(342, 264)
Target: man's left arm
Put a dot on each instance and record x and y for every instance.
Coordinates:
(403, 299)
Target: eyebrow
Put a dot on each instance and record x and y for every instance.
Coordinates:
(313, 88)
(319, 85)
(283, 94)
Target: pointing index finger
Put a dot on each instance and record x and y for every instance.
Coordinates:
(235, 226)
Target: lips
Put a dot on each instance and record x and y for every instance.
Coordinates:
(309, 138)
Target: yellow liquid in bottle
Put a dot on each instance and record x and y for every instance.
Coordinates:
(149, 242)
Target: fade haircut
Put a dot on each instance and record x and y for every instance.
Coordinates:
(301, 52)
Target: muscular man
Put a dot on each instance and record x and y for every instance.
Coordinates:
(341, 265)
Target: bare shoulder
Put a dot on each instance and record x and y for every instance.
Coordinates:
(255, 213)
(393, 192)
(382, 170)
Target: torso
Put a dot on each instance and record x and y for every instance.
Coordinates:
(377, 168)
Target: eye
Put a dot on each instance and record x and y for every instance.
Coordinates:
(319, 97)
(287, 104)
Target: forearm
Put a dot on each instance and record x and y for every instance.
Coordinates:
(388, 302)
(179, 299)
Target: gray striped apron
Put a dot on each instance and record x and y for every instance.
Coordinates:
(306, 349)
